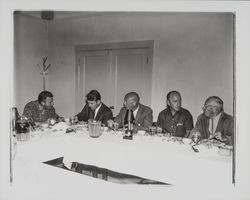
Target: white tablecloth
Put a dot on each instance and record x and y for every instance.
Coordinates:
(203, 175)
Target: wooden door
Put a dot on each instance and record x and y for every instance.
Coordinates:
(132, 73)
(113, 72)
(94, 72)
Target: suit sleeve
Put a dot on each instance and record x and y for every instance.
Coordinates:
(230, 132)
(198, 124)
(118, 119)
(83, 115)
(107, 116)
(148, 120)
(159, 120)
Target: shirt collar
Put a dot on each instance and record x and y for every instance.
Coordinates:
(218, 116)
(39, 106)
(169, 109)
(136, 110)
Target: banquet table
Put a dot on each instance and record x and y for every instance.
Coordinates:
(205, 174)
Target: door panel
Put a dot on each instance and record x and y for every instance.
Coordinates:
(96, 75)
(132, 75)
(114, 73)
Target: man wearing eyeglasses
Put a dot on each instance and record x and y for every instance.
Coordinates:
(214, 123)
(143, 117)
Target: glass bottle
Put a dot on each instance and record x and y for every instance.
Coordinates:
(129, 124)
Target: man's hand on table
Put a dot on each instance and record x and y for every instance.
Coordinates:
(110, 123)
(74, 119)
(60, 119)
(224, 139)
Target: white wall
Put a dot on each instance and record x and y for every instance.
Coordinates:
(192, 54)
(241, 188)
(30, 46)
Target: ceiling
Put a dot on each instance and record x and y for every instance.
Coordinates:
(61, 14)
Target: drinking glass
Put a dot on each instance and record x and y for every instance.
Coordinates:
(152, 130)
(94, 128)
(196, 137)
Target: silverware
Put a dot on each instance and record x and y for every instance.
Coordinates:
(195, 150)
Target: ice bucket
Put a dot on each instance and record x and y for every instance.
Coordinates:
(94, 128)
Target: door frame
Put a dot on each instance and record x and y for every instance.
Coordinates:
(149, 44)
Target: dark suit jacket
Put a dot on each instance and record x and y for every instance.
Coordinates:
(143, 118)
(104, 114)
(225, 126)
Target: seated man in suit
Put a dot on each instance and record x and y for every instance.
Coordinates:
(214, 123)
(174, 119)
(41, 110)
(142, 114)
(95, 109)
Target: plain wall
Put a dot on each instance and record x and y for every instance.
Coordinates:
(193, 53)
(240, 190)
(30, 46)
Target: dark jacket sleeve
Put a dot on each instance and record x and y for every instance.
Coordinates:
(107, 116)
(202, 126)
(228, 129)
(119, 118)
(198, 124)
(148, 118)
(230, 133)
(159, 120)
(83, 115)
(230, 126)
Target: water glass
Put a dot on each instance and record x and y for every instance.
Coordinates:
(115, 126)
(196, 137)
(152, 130)
(94, 128)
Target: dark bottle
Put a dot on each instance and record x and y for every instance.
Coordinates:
(129, 124)
(14, 117)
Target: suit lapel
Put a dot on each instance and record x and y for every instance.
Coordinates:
(138, 114)
(218, 128)
(123, 113)
(98, 115)
(207, 132)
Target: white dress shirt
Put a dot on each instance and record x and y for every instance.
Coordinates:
(212, 128)
(97, 109)
(135, 111)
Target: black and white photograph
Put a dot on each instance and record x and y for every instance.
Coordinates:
(125, 100)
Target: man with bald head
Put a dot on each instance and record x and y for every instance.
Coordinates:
(143, 114)
(174, 119)
(214, 123)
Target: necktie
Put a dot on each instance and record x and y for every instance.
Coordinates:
(91, 114)
(212, 131)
